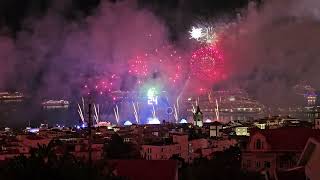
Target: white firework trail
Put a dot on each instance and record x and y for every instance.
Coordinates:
(116, 113)
(81, 113)
(98, 109)
(135, 112)
(83, 104)
(210, 97)
(153, 112)
(217, 110)
(178, 105)
(176, 115)
(96, 113)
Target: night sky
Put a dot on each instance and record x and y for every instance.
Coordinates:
(14, 12)
(60, 43)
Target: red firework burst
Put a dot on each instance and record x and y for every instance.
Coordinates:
(206, 63)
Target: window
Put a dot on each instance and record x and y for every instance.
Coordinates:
(248, 163)
(258, 164)
(267, 164)
(258, 144)
(161, 149)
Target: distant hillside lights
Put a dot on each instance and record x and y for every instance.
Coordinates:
(8, 97)
(311, 99)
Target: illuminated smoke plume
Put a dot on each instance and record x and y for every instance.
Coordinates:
(273, 48)
(268, 51)
(53, 56)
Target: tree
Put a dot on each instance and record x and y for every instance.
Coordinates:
(117, 149)
(44, 164)
(223, 166)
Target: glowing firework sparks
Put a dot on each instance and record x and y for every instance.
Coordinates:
(139, 66)
(163, 63)
(206, 63)
(196, 33)
(100, 85)
(204, 34)
(208, 33)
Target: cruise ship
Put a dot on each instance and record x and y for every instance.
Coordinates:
(55, 104)
(235, 103)
(7, 97)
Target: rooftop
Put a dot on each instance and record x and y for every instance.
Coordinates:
(288, 138)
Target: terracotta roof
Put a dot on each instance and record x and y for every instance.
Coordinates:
(289, 138)
(147, 169)
(34, 137)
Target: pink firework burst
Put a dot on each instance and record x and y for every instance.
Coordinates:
(206, 63)
(100, 85)
(139, 66)
(165, 62)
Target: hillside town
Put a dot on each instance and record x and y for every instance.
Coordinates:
(273, 147)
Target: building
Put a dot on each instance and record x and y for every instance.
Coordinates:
(275, 149)
(215, 129)
(242, 131)
(33, 141)
(164, 150)
(261, 124)
(198, 117)
(310, 158)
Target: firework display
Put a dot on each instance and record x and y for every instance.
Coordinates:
(164, 63)
(206, 63)
(204, 34)
(100, 85)
(164, 69)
